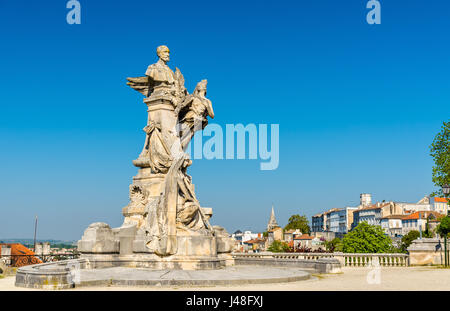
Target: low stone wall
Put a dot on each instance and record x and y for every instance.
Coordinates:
(54, 275)
(344, 259)
(319, 265)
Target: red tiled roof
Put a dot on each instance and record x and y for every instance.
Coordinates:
(304, 237)
(394, 217)
(441, 200)
(17, 255)
(423, 215)
(290, 231)
(373, 206)
(254, 241)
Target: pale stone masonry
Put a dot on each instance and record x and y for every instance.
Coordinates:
(164, 224)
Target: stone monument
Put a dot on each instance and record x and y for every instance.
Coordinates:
(164, 225)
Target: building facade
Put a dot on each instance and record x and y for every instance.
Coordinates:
(318, 223)
(418, 221)
(392, 225)
(440, 205)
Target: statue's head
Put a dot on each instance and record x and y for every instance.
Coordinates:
(201, 87)
(163, 53)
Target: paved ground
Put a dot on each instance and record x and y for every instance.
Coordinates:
(235, 275)
(411, 278)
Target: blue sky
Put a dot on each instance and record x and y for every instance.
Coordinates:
(358, 105)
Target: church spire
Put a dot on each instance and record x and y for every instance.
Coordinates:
(272, 221)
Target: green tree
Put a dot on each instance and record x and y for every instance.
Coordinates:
(408, 238)
(428, 233)
(440, 152)
(444, 227)
(365, 238)
(444, 230)
(278, 247)
(298, 222)
(334, 245)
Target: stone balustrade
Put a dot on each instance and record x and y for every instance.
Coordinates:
(346, 259)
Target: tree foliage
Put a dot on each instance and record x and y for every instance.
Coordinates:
(278, 247)
(365, 238)
(304, 249)
(334, 245)
(444, 227)
(428, 233)
(408, 238)
(298, 222)
(440, 152)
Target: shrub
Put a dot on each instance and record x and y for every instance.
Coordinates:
(278, 247)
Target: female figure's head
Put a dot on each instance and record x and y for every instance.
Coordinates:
(200, 89)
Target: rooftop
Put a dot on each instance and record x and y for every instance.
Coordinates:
(254, 241)
(440, 200)
(423, 215)
(374, 206)
(394, 217)
(304, 237)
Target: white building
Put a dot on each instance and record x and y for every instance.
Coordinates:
(421, 206)
(248, 235)
(392, 225)
(440, 205)
(418, 220)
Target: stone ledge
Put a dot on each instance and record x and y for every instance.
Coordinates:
(325, 265)
(54, 275)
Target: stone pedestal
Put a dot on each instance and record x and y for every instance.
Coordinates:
(126, 246)
(99, 238)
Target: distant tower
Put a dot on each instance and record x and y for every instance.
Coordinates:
(272, 221)
(365, 199)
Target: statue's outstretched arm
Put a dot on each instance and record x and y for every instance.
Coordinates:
(209, 108)
(140, 84)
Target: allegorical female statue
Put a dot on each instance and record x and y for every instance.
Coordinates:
(193, 113)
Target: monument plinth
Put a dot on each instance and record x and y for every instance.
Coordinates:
(164, 225)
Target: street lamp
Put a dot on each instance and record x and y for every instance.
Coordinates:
(446, 189)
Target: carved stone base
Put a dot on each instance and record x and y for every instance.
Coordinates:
(126, 247)
(187, 245)
(155, 262)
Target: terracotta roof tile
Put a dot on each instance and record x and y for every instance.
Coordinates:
(254, 241)
(394, 217)
(441, 200)
(304, 237)
(423, 215)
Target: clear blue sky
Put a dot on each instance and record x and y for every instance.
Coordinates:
(358, 105)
